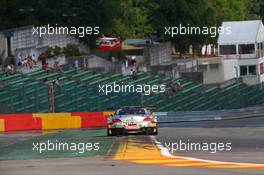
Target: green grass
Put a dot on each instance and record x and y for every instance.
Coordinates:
(24, 149)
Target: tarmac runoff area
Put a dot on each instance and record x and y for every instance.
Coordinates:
(136, 154)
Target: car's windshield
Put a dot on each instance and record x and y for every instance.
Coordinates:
(127, 111)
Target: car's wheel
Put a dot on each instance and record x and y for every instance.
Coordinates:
(155, 131)
(150, 131)
(109, 132)
(119, 132)
(114, 132)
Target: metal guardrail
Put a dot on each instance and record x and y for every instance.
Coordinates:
(189, 116)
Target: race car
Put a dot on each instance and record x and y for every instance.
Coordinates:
(132, 119)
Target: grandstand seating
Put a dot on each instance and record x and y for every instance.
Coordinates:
(78, 91)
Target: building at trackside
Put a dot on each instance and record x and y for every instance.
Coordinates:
(21, 41)
(240, 54)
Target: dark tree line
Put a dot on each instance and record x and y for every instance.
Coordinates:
(131, 18)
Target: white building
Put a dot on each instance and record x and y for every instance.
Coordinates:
(217, 70)
(21, 41)
(245, 45)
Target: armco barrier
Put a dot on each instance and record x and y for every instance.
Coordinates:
(15, 122)
(58, 120)
(2, 125)
(45, 121)
(91, 119)
(190, 116)
(39, 121)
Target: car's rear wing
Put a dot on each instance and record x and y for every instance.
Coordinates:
(118, 107)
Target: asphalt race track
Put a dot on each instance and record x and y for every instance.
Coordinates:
(138, 154)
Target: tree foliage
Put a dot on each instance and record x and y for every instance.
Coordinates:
(71, 50)
(200, 13)
(130, 18)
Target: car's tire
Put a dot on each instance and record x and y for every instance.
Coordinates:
(114, 133)
(151, 131)
(155, 132)
(119, 132)
(109, 132)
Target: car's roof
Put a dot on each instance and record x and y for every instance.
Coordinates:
(129, 107)
(132, 107)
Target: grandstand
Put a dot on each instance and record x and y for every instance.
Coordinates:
(78, 91)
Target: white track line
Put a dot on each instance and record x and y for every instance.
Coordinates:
(165, 152)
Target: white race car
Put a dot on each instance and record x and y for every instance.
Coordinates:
(132, 119)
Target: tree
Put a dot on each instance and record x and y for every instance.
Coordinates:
(71, 50)
(230, 10)
(262, 11)
(132, 18)
(253, 9)
(196, 13)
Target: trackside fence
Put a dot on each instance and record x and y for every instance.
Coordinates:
(189, 116)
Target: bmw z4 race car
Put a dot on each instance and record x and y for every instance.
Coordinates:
(132, 120)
